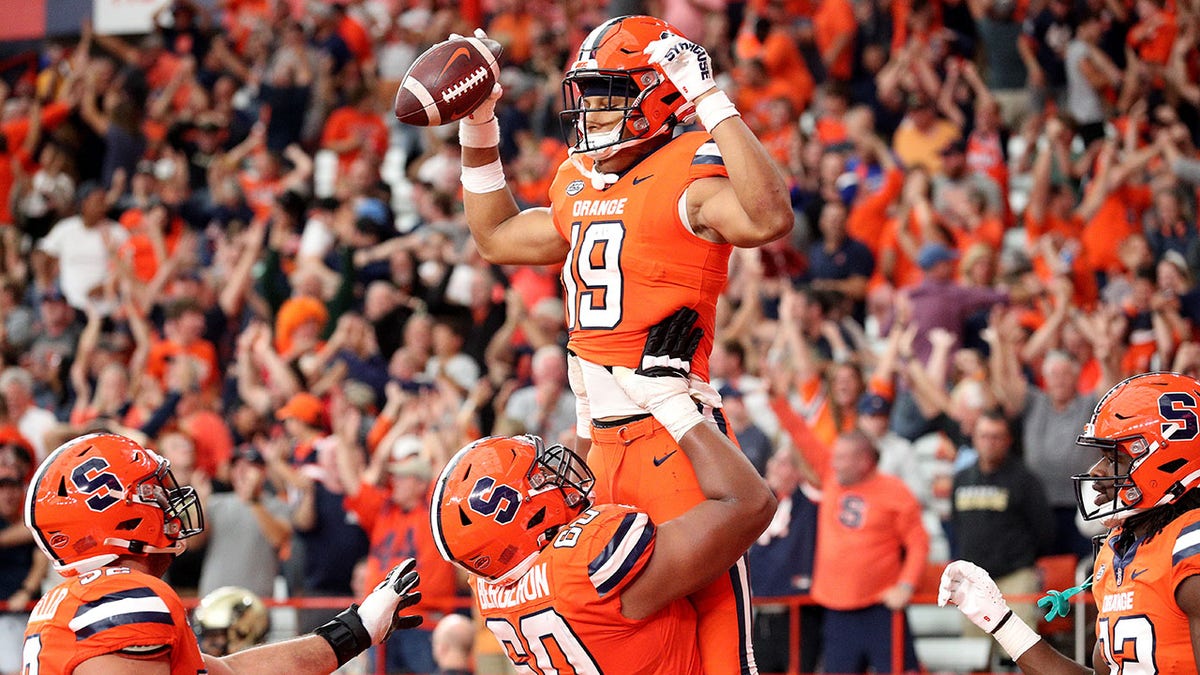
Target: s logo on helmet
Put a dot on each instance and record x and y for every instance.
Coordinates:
(487, 497)
(1180, 411)
(105, 488)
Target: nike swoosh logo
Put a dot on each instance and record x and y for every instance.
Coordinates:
(659, 460)
(639, 179)
(1136, 573)
(461, 51)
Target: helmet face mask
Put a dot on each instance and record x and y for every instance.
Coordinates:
(499, 500)
(1113, 495)
(1147, 429)
(102, 496)
(614, 76)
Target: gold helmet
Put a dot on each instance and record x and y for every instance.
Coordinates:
(229, 620)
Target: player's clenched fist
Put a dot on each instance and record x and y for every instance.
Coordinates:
(685, 63)
(977, 596)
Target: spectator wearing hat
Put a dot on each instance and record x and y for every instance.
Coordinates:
(244, 529)
(939, 301)
(331, 540)
(958, 184)
(391, 502)
(754, 443)
(56, 335)
(84, 246)
(298, 326)
(895, 452)
(303, 420)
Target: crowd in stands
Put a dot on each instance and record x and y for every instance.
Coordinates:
(215, 238)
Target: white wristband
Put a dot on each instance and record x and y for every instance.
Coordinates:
(1015, 636)
(678, 414)
(482, 135)
(714, 109)
(483, 179)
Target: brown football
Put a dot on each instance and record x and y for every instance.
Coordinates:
(448, 81)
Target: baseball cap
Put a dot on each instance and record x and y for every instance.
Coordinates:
(932, 254)
(53, 293)
(250, 454)
(405, 446)
(957, 147)
(730, 391)
(414, 465)
(873, 404)
(87, 189)
(304, 407)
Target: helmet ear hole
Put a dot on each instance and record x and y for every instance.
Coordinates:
(1172, 466)
(131, 524)
(537, 519)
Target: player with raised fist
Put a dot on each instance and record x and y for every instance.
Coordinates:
(643, 220)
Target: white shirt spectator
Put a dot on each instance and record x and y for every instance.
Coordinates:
(83, 255)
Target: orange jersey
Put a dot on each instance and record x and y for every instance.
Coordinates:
(634, 260)
(104, 612)
(564, 614)
(1139, 623)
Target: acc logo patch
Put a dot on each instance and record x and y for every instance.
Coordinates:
(59, 540)
(574, 188)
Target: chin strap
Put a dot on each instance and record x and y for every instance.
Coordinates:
(599, 179)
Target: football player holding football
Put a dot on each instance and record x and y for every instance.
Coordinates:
(110, 516)
(1146, 579)
(643, 221)
(604, 584)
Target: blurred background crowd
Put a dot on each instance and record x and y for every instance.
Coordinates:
(215, 238)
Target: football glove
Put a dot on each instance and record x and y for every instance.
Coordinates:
(977, 596)
(358, 627)
(660, 384)
(685, 63)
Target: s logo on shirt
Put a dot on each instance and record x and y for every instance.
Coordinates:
(852, 511)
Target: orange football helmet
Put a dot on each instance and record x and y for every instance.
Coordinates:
(610, 63)
(500, 500)
(102, 496)
(1147, 428)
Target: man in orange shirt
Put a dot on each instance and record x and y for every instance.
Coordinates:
(834, 27)
(871, 550)
(394, 512)
(355, 130)
(183, 333)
